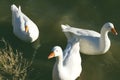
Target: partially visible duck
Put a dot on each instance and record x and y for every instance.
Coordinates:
(23, 27)
(68, 63)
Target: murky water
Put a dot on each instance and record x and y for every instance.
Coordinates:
(49, 15)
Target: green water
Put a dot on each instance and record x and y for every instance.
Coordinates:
(48, 15)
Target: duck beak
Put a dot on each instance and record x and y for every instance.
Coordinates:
(51, 55)
(26, 28)
(114, 31)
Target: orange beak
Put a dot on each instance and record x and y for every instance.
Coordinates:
(26, 28)
(114, 31)
(51, 55)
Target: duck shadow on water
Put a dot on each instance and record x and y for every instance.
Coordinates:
(100, 67)
(6, 33)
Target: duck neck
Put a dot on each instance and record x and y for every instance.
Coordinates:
(104, 41)
(59, 60)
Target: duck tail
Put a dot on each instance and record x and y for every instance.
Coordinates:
(14, 8)
(65, 28)
(19, 8)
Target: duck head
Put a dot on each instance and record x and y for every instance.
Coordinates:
(110, 27)
(56, 51)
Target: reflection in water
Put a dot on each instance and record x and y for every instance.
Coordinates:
(48, 15)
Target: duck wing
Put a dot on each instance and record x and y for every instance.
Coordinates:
(72, 60)
(70, 52)
(71, 31)
(17, 19)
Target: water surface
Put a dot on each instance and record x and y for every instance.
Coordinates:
(49, 15)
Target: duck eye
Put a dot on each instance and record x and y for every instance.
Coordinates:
(109, 27)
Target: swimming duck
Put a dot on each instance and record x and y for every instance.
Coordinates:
(91, 42)
(68, 62)
(23, 27)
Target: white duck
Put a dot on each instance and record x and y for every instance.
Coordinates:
(24, 28)
(91, 42)
(68, 63)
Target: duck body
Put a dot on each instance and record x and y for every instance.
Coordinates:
(68, 63)
(91, 45)
(24, 28)
(91, 42)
